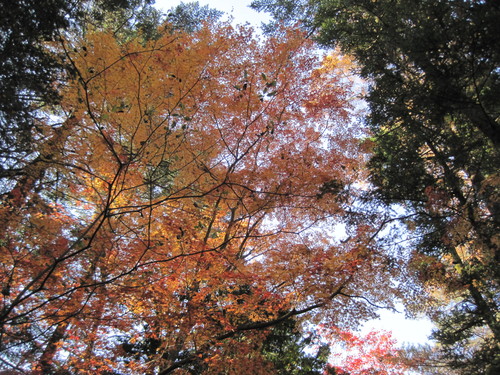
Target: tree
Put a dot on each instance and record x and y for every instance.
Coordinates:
(373, 353)
(433, 74)
(31, 73)
(287, 12)
(190, 16)
(179, 207)
(27, 71)
(425, 359)
(283, 351)
(126, 19)
(286, 348)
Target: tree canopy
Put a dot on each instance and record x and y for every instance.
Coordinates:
(432, 70)
(188, 192)
(179, 195)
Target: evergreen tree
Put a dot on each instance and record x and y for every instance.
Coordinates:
(27, 73)
(286, 349)
(190, 16)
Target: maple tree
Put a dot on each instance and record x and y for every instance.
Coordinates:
(178, 203)
(31, 73)
(372, 353)
(432, 71)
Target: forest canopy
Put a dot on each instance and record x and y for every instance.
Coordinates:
(180, 195)
(433, 73)
(187, 190)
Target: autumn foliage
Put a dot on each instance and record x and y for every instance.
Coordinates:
(374, 353)
(183, 199)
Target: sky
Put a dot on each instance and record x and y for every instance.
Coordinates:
(403, 330)
(238, 9)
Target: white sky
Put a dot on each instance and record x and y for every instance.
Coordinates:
(239, 9)
(403, 330)
(408, 331)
